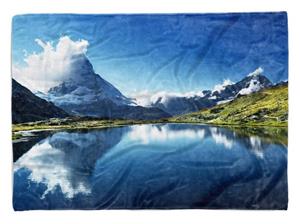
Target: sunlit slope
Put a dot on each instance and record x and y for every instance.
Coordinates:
(267, 107)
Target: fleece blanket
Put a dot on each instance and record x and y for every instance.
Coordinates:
(150, 111)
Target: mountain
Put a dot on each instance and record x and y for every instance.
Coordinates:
(85, 86)
(250, 84)
(181, 105)
(282, 83)
(266, 107)
(86, 93)
(28, 107)
(176, 105)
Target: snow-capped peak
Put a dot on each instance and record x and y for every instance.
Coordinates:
(85, 89)
(257, 72)
(254, 82)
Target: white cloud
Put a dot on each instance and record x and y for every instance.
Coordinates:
(148, 133)
(51, 66)
(48, 166)
(258, 71)
(142, 98)
(221, 138)
(256, 146)
(146, 98)
(220, 87)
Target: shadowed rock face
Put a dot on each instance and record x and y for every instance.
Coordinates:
(28, 107)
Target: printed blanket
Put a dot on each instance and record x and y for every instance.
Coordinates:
(150, 111)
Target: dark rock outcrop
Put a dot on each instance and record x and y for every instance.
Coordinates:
(27, 107)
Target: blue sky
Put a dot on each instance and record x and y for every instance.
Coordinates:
(176, 53)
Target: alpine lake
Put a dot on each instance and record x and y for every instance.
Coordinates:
(152, 166)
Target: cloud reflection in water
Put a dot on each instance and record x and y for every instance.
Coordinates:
(92, 165)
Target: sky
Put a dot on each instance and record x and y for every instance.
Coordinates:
(176, 53)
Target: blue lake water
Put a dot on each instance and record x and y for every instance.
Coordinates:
(152, 167)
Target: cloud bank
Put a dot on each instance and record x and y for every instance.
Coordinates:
(51, 66)
(146, 134)
(147, 98)
(47, 165)
(220, 87)
(258, 71)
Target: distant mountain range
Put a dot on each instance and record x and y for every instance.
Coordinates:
(28, 107)
(266, 107)
(86, 93)
(182, 105)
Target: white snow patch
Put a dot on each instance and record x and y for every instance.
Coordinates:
(253, 87)
(212, 97)
(224, 101)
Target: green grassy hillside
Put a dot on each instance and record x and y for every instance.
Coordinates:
(267, 107)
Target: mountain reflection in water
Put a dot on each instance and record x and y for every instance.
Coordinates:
(154, 166)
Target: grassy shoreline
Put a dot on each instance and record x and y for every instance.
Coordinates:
(72, 124)
(82, 123)
(253, 124)
(268, 107)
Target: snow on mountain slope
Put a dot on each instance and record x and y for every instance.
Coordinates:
(85, 86)
(253, 87)
(86, 93)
